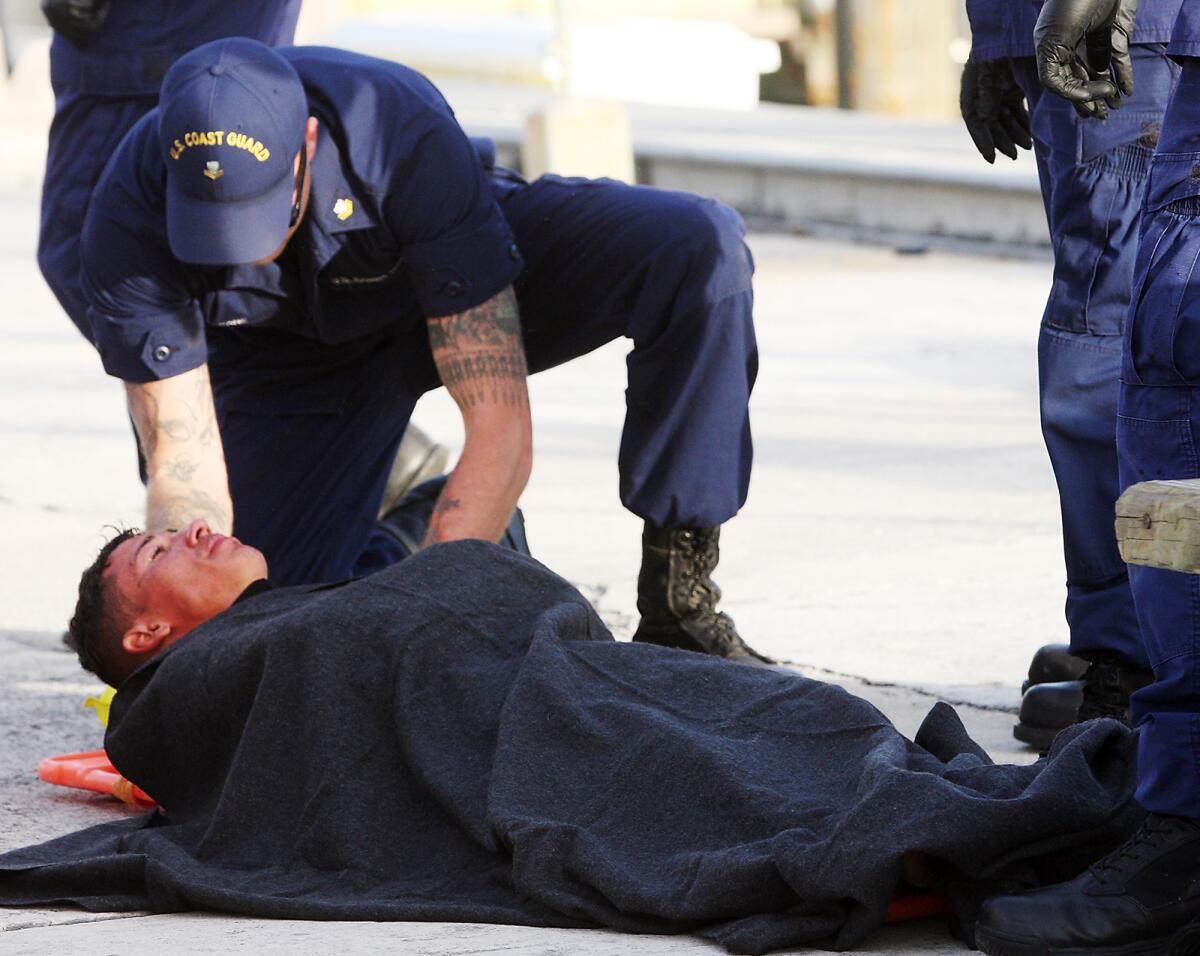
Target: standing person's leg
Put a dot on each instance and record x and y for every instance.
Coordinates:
(1143, 897)
(1158, 432)
(1093, 174)
(672, 272)
(83, 134)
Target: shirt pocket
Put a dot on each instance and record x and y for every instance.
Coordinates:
(263, 297)
(364, 288)
(363, 260)
(1155, 439)
(1122, 144)
(236, 308)
(1096, 203)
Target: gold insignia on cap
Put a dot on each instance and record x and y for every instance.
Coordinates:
(343, 208)
(213, 170)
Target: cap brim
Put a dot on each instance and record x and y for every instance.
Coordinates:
(207, 233)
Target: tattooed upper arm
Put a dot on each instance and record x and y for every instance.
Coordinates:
(479, 353)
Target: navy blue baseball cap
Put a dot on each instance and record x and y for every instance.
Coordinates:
(232, 117)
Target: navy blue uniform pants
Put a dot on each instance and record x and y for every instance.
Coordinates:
(310, 429)
(1157, 431)
(1093, 175)
(85, 132)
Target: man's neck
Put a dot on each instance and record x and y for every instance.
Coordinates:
(252, 589)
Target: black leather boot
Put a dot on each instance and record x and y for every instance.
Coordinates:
(1104, 691)
(1053, 663)
(1046, 709)
(1143, 899)
(677, 597)
(1108, 685)
(1050, 695)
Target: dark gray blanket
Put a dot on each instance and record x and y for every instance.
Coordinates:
(459, 738)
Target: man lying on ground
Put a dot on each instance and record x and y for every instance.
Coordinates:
(458, 737)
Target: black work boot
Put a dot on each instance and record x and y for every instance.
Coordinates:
(1053, 663)
(1104, 691)
(1050, 695)
(1107, 686)
(1141, 900)
(1047, 708)
(677, 597)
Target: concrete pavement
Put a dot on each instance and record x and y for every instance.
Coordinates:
(200, 934)
(901, 535)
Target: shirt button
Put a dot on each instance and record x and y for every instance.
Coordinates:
(453, 287)
(514, 251)
(162, 353)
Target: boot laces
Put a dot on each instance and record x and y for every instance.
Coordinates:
(1104, 694)
(724, 636)
(1148, 838)
(696, 596)
(696, 588)
(717, 634)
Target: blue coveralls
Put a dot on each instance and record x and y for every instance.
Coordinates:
(1093, 175)
(102, 89)
(317, 360)
(1157, 431)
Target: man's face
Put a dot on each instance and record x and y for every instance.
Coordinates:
(182, 578)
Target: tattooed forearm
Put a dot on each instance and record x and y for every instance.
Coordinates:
(176, 422)
(480, 377)
(143, 409)
(181, 469)
(479, 353)
(174, 429)
(441, 512)
(186, 416)
(177, 511)
(207, 433)
(203, 411)
(481, 359)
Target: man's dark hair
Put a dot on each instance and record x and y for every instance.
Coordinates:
(100, 619)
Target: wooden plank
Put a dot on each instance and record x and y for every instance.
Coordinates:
(1158, 525)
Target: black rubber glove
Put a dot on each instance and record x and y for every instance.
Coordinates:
(993, 107)
(1093, 84)
(77, 20)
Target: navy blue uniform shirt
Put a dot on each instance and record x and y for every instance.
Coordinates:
(401, 225)
(130, 54)
(1004, 28)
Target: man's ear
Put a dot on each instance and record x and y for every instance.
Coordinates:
(145, 637)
